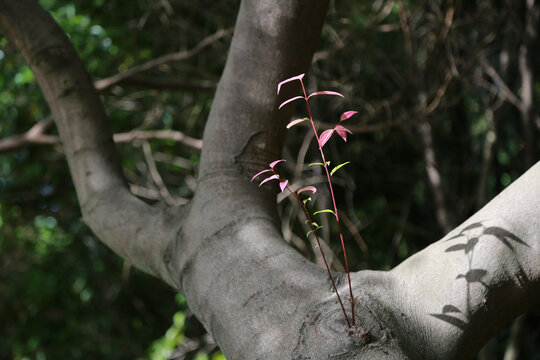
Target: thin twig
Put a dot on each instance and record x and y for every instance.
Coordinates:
(34, 137)
(154, 173)
(103, 84)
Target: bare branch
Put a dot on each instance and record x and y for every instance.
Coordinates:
(177, 56)
(504, 90)
(156, 176)
(434, 177)
(169, 84)
(33, 138)
(177, 136)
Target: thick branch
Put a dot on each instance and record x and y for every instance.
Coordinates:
(457, 292)
(106, 203)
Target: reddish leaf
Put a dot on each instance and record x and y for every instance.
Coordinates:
(259, 173)
(273, 177)
(297, 77)
(294, 122)
(325, 93)
(342, 131)
(346, 115)
(290, 100)
(325, 136)
(313, 189)
(273, 163)
(283, 184)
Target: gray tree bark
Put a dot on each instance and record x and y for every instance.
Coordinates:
(256, 295)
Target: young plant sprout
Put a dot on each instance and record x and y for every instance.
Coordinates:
(322, 139)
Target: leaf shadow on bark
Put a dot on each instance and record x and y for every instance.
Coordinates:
(473, 234)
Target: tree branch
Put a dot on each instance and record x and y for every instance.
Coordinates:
(177, 56)
(106, 203)
(35, 136)
(162, 83)
(486, 271)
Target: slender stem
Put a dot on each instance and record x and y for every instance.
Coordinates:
(333, 200)
(314, 229)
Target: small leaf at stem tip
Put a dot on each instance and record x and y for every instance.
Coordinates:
(342, 131)
(315, 224)
(339, 167)
(290, 100)
(283, 184)
(306, 200)
(273, 163)
(317, 163)
(259, 173)
(294, 122)
(325, 136)
(313, 189)
(325, 93)
(324, 211)
(347, 114)
(273, 177)
(297, 77)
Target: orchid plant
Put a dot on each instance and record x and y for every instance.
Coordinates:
(321, 139)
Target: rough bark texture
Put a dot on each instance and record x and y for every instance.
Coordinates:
(257, 296)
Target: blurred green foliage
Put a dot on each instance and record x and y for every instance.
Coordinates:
(63, 294)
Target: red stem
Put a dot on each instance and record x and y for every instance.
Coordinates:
(314, 229)
(333, 201)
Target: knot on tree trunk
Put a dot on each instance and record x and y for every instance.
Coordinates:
(325, 335)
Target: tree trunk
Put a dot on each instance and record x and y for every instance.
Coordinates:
(256, 295)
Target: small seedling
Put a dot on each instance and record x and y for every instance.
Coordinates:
(321, 139)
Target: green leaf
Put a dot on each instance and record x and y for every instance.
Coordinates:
(315, 225)
(306, 200)
(324, 211)
(319, 163)
(339, 167)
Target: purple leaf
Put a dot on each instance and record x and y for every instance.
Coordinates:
(297, 77)
(283, 184)
(313, 189)
(342, 131)
(273, 163)
(268, 179)
(325, 136)
(346, 115)
(294, 122)
(259, 173)
(325, 93)
(290, 100)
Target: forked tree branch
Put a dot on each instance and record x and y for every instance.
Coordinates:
(257, 296)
